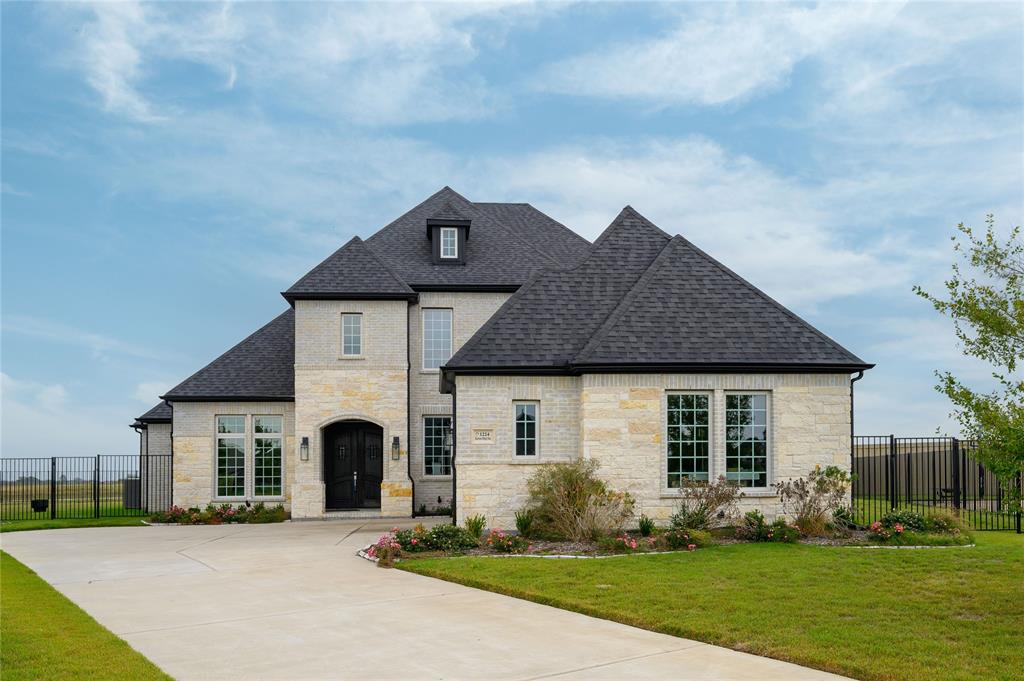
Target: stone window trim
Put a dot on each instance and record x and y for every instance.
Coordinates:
(348, 319)
(769, 429)
(673, 492)
(537, 425)
(249, 443)
(424, 369)
(423, 444)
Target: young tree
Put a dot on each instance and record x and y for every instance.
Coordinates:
(986, 303)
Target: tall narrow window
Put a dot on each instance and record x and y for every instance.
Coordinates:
(687, 438)
(526, 428)
(267, 448)
(351, 335)
(449, 242)
(746, 439)
(231, 456)
(437, 337)
(437, 451)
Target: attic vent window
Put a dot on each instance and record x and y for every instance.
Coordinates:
(449, 242)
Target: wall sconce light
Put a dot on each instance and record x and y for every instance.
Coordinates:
(396, 452)
(304, 449)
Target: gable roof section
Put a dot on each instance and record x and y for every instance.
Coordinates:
(261, 367)
(510, 242)
(644, 301)
(352, 271)
(550, 319)
(161, 413)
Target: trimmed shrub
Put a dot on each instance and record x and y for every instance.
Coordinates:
(570, 502)
(753, 527)
(447, 538)
(703, 505)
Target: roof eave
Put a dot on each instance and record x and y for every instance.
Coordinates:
(661, 367)
(291, 297)
(228, 398)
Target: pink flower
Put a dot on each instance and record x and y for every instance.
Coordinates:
(415, 541)
(898, 528)
(691, 547)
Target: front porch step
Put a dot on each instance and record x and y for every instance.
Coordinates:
(352, 515)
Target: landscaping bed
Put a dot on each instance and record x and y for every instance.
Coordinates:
(223, 514)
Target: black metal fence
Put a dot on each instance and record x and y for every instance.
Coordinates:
(84, 486)
(923, 473)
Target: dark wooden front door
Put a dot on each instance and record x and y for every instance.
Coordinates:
(353, 464)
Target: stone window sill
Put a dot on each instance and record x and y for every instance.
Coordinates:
(347, 357)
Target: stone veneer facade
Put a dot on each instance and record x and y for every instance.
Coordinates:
(620, 419)
(193, 439)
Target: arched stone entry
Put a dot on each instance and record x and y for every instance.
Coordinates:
(353, 464)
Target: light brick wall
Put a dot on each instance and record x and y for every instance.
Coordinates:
(469, 312)
(331, 388)
(195, 449)
(156, 470)
(621, 423)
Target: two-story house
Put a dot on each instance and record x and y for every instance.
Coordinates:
(441, 359)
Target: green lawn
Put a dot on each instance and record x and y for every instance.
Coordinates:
(61, 523)
(952, 613)
(46, 636)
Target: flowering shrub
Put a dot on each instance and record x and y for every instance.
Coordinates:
(387, 550)
(222, 514)
(506, 543)
(703, 505)
(447, 538)
(684, 539)
(569, 501)
(813, 499)
(907, 527)
(879, 531)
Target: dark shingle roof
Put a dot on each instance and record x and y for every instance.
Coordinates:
(354, 271)
(643, 299)
(161, 413)
(260, 367)
(499, 231)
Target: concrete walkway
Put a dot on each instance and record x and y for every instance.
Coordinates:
(292, 601)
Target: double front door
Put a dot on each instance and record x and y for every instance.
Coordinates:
(353, 464)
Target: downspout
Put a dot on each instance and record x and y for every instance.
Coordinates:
(860, 375)
(455, 486)
(171, 405)
(408, 406)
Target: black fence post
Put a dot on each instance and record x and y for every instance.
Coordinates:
(96, 488)
(53, 487)
(956, 474)
(891, 490)
(1020, 501)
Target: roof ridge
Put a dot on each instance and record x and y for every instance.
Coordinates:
(779, 306)
(289, 311)
(565, 227)
(626, 210)
(620, 308)
(387, 268)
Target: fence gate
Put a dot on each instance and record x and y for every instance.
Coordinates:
(922, 473)
(84, 486)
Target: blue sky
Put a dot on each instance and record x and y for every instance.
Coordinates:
(168, 169)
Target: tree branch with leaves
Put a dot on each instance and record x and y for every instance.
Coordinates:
(985, 300)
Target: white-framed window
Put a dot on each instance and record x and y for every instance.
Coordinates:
(351, 334)
(746, 439)
(231, 456)
(449, 242)
(437, 450)
(267, 455)
(437, 336)
(526, 415)
(688, 448)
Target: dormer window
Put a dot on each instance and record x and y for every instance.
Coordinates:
(449, 243)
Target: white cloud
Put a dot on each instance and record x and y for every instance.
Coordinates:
(10, 189)
(39, 419)
(149, 392)
(100, 346)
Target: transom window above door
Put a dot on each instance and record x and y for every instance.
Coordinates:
(437, 336)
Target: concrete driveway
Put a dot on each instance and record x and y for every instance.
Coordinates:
(292, 601)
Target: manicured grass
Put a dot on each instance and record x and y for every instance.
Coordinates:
(46, 636)
(62, 523)
(949, 613)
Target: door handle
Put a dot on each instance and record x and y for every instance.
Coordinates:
(355, 480)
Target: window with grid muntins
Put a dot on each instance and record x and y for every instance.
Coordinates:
(746, 440)
(437, 337)
(267, 459)
(351, 334)
(231, 456)
(449, 242)
(437, 457)
(526, 428)
(687, 438)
